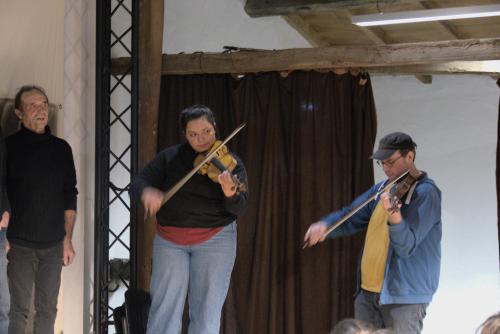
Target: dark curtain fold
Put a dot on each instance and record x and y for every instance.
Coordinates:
(306, 148)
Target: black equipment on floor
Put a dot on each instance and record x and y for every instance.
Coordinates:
(132, 317)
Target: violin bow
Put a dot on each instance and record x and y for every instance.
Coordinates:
(359, 207)
(171, 192)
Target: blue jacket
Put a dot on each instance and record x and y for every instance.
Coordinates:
(414, 256)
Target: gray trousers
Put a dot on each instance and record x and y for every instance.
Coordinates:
(401, 318)
(4, 286)
(37, 270)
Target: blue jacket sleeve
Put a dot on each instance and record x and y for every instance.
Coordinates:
(421, 215)
(358, 221)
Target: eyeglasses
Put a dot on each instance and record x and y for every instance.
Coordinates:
(389, 163)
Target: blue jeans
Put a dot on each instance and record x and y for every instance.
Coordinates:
(4, 286)
(401, 318)
(202, 272)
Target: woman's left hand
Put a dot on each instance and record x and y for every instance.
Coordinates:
(227, 184)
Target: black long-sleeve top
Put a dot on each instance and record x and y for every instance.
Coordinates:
(4, 201)
(200, 202)
(41, 185)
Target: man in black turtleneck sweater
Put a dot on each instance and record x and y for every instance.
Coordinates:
(41, 185)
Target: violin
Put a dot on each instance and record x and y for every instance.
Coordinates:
(222, 161)
(401, 188)
(175, 188)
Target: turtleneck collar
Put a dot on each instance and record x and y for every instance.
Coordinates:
(33, 136)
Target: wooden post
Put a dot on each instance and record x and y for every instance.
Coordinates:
(150, 63)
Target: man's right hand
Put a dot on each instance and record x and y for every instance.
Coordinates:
(151, 199)
(315, 233)
(5, 220)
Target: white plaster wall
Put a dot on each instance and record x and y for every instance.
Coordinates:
(51, 43)
(454, 123)
(208, 25)
(31, 46)
(79, 131)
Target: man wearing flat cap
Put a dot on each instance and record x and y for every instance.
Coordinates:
(399, 269)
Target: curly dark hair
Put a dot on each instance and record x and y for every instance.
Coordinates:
(195, 112)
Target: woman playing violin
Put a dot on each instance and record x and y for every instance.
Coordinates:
(195, 246)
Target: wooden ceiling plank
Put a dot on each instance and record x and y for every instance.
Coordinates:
(424, 78)
(334, 57)
(456, 67)
(306, 30)
(256, 8)
(329, 57)
(379, 37)
(375, 34)
(444, 27)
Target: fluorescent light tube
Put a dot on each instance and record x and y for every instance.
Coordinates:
(426, 15)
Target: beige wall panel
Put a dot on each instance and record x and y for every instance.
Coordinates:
(32, 46)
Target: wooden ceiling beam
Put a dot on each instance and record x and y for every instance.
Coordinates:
(379, 37)
(256, 8)
(454, 67)
(328, 57)
(446, 30)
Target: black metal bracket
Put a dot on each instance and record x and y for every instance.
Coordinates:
(111, 16)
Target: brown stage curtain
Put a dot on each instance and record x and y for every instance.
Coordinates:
(306, 148)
